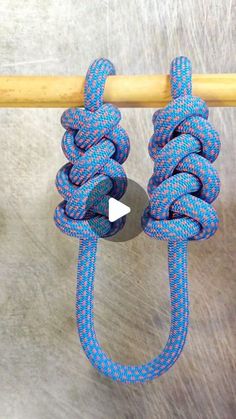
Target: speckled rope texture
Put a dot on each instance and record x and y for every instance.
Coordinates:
(183, 186)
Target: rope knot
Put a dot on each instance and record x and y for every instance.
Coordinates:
(184, 182)
(181, 190)
(96, 146)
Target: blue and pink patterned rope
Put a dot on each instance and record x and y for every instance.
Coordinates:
(183, 186)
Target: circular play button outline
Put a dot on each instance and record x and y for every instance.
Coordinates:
(127, 212)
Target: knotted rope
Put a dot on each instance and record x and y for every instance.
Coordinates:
(96, 146)
(182, 187)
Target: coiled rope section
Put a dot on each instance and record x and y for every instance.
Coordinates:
(181, 190)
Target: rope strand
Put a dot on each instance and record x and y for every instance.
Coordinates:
(181, 190)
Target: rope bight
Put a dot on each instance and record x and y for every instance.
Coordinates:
(181, 190)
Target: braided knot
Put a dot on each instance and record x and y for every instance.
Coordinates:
(184, 182)
(96, 146)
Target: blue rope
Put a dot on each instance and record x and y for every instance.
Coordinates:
(181, 190)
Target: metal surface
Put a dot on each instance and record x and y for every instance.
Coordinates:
(44, 373)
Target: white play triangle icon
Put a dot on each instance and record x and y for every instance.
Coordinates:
(116, 209)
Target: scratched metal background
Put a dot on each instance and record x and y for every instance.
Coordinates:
(43, 371)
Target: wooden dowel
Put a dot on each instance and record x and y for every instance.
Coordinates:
(124, 91)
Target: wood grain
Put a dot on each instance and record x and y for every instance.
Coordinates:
(141, 91)
(44, 373)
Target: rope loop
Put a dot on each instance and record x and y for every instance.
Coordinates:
(184, 182)
(181, 190)
(96, 146)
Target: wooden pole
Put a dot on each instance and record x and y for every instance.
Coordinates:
(124, 91)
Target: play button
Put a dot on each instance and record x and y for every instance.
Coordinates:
(117, 209)
(111, 210)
